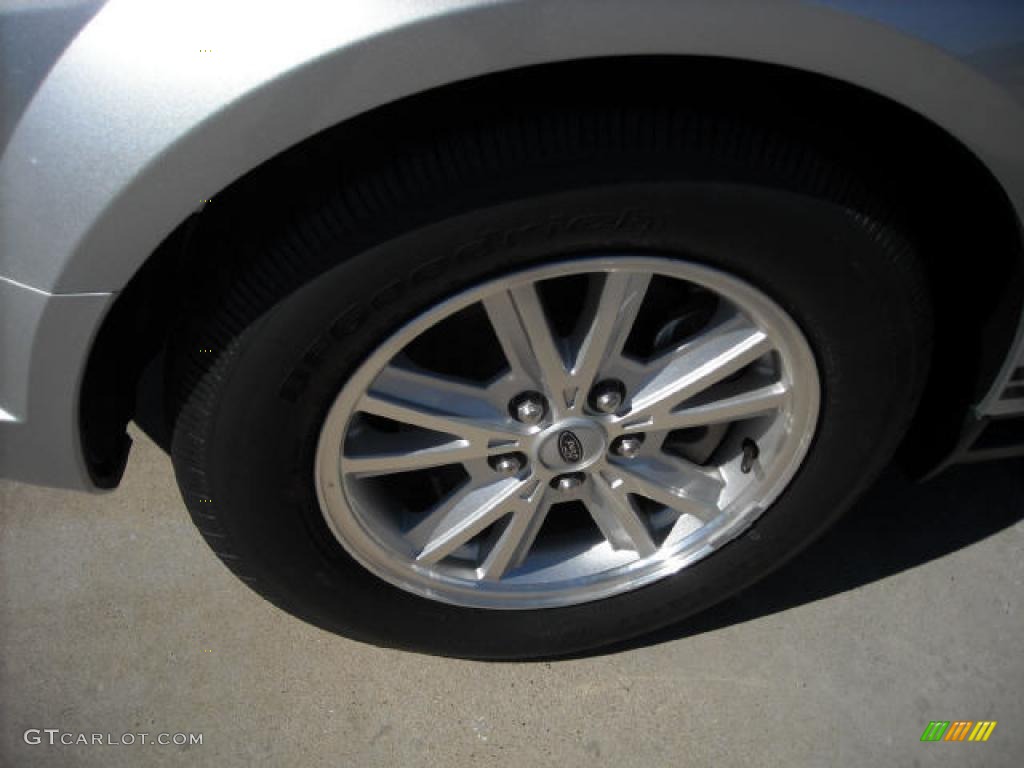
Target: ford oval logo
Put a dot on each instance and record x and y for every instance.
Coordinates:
(569, 447)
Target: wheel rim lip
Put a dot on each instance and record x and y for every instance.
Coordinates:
(799, 371)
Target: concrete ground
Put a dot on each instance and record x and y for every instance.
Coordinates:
(115, 618)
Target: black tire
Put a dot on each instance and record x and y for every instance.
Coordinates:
(295, 303)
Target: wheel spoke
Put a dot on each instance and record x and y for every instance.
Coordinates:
(454, 452)
(742, 406)
(462, 515)
(613, 511)
(674, 483)
(696, 365)
(442, 407)
(441, 394)
(514, 543)
(526, 338)
(611, 320)
(425, 417)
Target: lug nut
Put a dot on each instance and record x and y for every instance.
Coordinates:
(568, 482)
(528, 408)
(507, 465)
(607, 396)
(628, 446)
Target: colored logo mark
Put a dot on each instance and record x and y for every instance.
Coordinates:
(958, 730)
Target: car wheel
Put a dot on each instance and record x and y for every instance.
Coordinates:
(499, 397)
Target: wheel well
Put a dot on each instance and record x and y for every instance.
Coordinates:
(966, 228)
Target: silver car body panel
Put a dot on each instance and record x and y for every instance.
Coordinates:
(155, 106)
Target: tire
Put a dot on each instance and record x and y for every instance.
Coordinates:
(297, 302)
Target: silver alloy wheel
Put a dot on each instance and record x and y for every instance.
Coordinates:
(449, 487)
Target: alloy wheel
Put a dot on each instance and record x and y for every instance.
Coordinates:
(568, 432)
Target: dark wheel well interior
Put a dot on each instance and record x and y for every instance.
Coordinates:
(965, 226)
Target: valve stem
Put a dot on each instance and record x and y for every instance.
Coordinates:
(750, 454)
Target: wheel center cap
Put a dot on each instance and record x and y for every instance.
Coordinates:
(571, 445)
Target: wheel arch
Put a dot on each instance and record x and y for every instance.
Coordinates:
(147, 148)
(144, 211)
